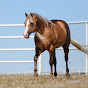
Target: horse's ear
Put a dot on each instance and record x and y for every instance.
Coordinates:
(26, 14)
(31, 14)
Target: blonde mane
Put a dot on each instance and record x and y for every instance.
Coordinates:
(45, 20)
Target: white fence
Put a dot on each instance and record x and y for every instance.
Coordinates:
(32, 49)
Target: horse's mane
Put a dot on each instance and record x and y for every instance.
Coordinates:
(45, 20)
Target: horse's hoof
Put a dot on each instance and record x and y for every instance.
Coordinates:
(55, 74)
(35, 75)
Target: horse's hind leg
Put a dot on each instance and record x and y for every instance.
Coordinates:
(66, 51)
(38, 52)
(54, 59)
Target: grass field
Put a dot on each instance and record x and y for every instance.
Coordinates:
(43, 81)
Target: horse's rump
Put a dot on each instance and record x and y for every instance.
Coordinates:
(63, 25)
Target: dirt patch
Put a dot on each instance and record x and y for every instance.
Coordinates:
(43, 81)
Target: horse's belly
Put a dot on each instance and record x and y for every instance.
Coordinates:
(45, 45)
(60, 42)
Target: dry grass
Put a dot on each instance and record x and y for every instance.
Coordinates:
(43, 81)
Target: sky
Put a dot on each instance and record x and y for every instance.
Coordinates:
(13, 12)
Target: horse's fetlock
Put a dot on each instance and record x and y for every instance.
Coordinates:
(67, 70)
(35, 70)
(55, 74)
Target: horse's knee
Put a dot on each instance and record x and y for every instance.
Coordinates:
(51, 62)
(35, 58)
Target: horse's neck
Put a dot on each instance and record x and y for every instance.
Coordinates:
(42, 25)
(43, 28)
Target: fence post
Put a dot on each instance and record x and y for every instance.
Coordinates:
(86, 45)
(40, 64)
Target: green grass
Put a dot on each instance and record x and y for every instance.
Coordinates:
(43, 81)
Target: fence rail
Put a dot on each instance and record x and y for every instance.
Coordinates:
(10, 37)
(11, 25)
(29, 49)
(17, 61)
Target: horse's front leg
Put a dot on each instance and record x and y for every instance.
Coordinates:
(51, 65)
(38, 52)
(51, 61)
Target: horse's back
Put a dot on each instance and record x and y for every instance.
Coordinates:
(61, 23)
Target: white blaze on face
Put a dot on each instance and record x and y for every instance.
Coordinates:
(26, 28)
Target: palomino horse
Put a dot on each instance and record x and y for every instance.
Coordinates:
(49, 35)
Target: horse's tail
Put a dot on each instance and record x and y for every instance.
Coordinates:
(79, 46)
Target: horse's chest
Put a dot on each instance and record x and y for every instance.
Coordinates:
(43, 45)
(42, 42)
(46, 44)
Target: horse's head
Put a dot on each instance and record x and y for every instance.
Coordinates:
(30, 24)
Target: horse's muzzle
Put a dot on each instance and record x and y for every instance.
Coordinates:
(27, 35)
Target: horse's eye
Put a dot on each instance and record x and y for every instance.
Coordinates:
(31, 24)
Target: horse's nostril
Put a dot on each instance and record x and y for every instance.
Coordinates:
(26, 35)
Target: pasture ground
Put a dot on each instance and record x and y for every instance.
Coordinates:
(43, 81)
